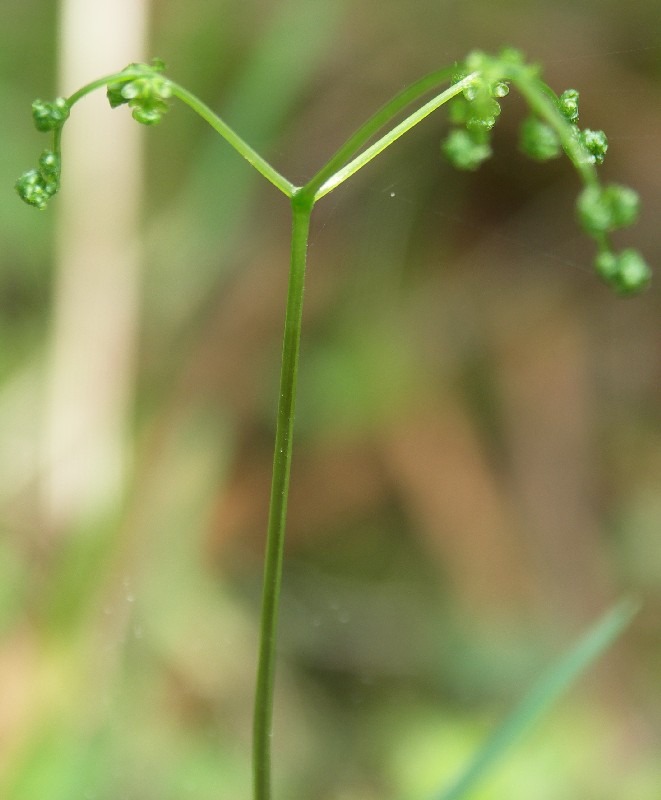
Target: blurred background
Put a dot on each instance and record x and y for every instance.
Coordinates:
(477, 468)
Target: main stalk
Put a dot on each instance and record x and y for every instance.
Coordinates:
(302, 204)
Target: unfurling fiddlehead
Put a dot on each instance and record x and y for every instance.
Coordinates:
(37, 186)
(140, 86)
(551, 128)
(144, 90)
(478, 86)
(481, 82)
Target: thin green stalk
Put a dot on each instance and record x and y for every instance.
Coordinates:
(399, 130)
(242, 147)
(99, 83)
(57, 141)
(377, 121)
(543, 100)
(601, 210)
(302, 204)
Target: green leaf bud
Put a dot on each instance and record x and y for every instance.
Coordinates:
(604, 209)
(30, 189)
(634, 273)
(627, 272)
(476, 109)
(33, 190)
(493, 68)
(50, 116)
(144, 90)
(596, 143)
(149, 113)
(36, 186)
(484, 113)
(466, 150)
(606, 264)
(539, 140)
(568, 105)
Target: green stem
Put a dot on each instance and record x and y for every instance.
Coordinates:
(302, 203)
(543, 101)
(242, 147)
(399, 130)
(372, 126)
(57, 141)
(99, 83)
(341, 166)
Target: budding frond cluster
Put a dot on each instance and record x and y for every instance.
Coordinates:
(481, 82)
(144, 90)
(37, 186)
(551, 129)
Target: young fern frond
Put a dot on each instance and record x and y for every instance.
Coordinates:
(476, 89)
(551, 128)
(477, 86)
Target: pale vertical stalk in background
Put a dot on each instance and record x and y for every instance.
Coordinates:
(96, 286)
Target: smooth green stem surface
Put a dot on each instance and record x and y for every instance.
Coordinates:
(57, 141)
(341, 166)
(302, 205)
(99, 83)
(399, 130)
(242, 147)
(374, 124)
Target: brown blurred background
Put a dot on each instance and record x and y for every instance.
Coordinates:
(477, 468)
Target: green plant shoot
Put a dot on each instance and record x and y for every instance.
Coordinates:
(474, 91)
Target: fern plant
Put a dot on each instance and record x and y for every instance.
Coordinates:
(474, 91)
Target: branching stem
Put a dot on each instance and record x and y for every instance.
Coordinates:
(147, 92)
(377, 121)
(389, 138)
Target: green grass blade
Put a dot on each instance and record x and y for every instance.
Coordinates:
(543, 695)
